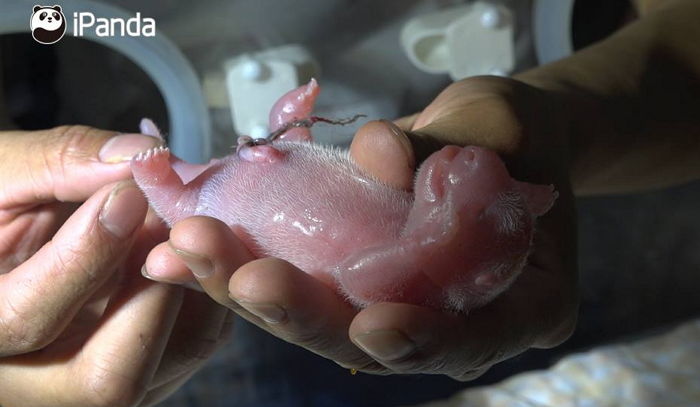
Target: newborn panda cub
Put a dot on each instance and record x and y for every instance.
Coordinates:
(455, 243)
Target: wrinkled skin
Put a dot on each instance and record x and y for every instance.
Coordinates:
(529, 128)
(79, 325)
(458, 241)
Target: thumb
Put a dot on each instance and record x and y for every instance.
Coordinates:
(67, 163)
(383, 150)
(489, 112)
(485, 111)
(391, 154)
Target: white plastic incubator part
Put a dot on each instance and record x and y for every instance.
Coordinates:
(474, 39)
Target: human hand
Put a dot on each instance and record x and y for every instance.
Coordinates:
(528, 128)
(79, 326)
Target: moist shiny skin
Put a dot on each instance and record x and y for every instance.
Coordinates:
(455, 243)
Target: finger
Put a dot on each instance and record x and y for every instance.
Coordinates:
(478, 107)
(163, 390)
(411, 339)
(211, 251)
(23, 234)
(159, 394)
(203, 244)
(382, 149)
(500, 114)
(406, 123)
(164, 265)
(554, 256)
(118, 362)
(156, 258)
(41, 296)
(214, 253)
(195, 337)
(298, 308)
(67, 163)
(453, 344)
(470, 375)
(154, 230)
(197, 332)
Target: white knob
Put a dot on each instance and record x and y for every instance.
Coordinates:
(258, 131)
(491, 18)
(252, 70)
(498, 72)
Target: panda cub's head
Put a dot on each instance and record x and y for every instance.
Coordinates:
(48, 24)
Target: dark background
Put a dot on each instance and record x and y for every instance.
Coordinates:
(639, 254)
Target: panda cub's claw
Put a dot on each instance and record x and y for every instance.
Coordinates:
(154, 160)
(159, 152)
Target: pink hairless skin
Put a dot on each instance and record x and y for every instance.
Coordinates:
(458, 241)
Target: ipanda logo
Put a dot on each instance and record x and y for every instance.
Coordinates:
(48, 25)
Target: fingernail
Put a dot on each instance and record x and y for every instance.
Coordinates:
(201, 266)
(122, 147)
(404, 143)
(193, 286)
(385, 345)
(144, 272)
(119, 215)
(234, 305)
(270, 313)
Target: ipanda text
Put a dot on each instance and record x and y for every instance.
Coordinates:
(109, 27)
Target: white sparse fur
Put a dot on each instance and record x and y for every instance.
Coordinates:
(283, 191)
(318, 210)
(509, 209)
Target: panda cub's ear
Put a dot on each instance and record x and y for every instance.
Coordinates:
(37, 7)
(57, 8)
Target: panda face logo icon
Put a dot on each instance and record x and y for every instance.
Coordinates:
(48, 24)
